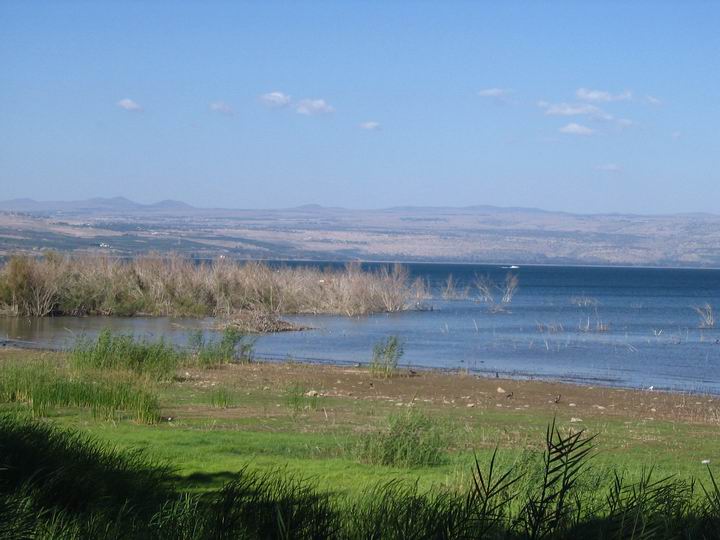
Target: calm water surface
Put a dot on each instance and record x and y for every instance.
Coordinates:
(605, 326)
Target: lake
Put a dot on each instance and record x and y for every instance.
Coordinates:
(630, 327)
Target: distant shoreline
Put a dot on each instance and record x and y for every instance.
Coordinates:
(315, 262)
(406, 370)
(471, 235)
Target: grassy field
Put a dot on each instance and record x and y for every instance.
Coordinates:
(339, 452)
(313, 419)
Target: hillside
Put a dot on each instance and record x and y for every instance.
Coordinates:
(119, 226)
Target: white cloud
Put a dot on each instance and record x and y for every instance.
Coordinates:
(586, 94)
(495, 92)
(624, 122)
(370, 125)
(574, 109)
(275, 99)
(609, 167)
(129, 105)
(222, 108)
(583, 109)
(652, 100)
(576, 129)
(314, 106)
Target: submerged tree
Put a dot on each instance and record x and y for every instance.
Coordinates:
(497, 295)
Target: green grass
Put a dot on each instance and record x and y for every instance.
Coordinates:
(221, 398)
(298, 399)
(56, 483)
(211, 448)
(386, 356)
(373, 466)
(410, 440)
(158, 359)
(70, 471)
(233, 346)
(44, 388)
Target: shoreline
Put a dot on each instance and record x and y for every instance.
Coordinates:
(413, 372)
(460, 393)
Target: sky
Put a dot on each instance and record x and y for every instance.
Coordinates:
(588, 107)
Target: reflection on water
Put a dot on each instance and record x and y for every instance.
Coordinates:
(607, 326)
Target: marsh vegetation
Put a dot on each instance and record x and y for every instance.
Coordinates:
(175, 286)
(44, 388)
(386, 356)
(115, 376)
(496, 295)
(706, 315)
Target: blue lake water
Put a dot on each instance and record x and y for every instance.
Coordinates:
(632, 327)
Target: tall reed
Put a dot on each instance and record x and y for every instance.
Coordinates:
(176, 286)
(386, 356)
(159, 360)
(233, 346)
(112, 352)
(44, 389)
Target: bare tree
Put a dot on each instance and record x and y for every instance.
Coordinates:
(496, 295)
(451, 290)
(707, 317)
(511, 286)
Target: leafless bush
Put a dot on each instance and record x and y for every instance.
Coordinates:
(550, 328)
(706, 314)
(599, 326)
(420, 290)
(489, 291)
(584, 301)
(452, 292)
(31, 289)
(511, 286)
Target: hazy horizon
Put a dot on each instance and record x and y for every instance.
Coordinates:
(583, 108)
(158, 202)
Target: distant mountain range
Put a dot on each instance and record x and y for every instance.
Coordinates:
(479, 233)
(119, 204)
(123, 204)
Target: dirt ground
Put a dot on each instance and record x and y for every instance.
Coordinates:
(438, 390)
(460, 391)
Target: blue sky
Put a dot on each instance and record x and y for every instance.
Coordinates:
(575, 106)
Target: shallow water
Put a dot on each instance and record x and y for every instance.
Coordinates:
(605, 326)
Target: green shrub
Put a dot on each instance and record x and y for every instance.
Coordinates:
(409, 440)
(221, 398)
(386, 356)
(159, 360)
(233, 346)
(123, 352)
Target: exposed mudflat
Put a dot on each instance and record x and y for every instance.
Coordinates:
(460, 392)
